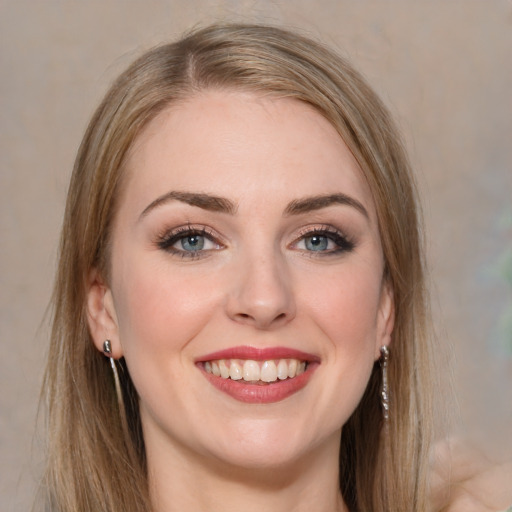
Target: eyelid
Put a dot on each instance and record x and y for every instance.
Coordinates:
(343, 241)
(167, 237)
(319, 228)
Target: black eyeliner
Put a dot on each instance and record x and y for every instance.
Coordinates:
(169, 237)
(343, 243)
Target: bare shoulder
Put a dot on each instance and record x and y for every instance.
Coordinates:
(464, 480)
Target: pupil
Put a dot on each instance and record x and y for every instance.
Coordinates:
(316, 243)
(193, 243)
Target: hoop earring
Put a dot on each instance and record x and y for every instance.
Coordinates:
(384, 390)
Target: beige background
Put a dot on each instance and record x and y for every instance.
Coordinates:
(445, 69)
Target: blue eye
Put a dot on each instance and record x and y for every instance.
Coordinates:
(324, 241)
(187, 242)
(317, 243)
(192, 243)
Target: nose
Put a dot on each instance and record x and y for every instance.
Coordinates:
(261, 293)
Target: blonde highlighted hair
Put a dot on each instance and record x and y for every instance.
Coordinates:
(96, 457)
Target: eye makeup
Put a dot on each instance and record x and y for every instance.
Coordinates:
(324, 240)
(196, 241)
(189, 241)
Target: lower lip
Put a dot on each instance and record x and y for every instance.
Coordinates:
(261, 394)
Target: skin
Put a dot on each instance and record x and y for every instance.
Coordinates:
(465, 480)
(258, 282)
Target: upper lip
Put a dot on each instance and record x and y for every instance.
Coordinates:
(259, 354)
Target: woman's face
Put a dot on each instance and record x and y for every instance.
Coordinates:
(246, 292)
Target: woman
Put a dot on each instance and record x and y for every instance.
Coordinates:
(241, 241)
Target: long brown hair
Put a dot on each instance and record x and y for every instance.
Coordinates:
(96, 457)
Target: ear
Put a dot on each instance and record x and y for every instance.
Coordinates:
(101, 315)
(385, 317)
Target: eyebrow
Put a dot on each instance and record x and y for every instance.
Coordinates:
(204, 201)
(309, 204)
(223, 205)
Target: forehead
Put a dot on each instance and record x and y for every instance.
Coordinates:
(242, 145)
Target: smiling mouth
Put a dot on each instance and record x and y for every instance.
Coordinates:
(256, 372)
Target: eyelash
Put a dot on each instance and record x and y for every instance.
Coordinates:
(169, 238)
(342, 242)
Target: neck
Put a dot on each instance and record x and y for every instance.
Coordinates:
(185, 482)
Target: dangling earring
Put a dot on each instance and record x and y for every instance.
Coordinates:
(107, 350)
(384, 390)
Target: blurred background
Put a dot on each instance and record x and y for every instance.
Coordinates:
(444, 67)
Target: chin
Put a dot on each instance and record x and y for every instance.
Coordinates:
(268, 444)
(252, 458)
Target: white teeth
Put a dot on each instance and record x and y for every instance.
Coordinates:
(282, 370)
(292, 368)
(235, 371)
(268, 371)
(224, 370)
(251, 370)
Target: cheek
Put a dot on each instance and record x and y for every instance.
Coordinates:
(354, 333)
(161, 310)
(346, 306)
(342, 309)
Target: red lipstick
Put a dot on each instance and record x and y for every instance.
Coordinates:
(259, 393)
(259, 354)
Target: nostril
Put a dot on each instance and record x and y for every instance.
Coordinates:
(259, 319)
